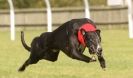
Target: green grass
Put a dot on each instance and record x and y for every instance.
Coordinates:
(118, 52)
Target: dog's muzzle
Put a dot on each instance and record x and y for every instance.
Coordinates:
(99, 50)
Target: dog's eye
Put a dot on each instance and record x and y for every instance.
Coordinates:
(91, 40)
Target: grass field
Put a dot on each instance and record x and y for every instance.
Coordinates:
(118, 52)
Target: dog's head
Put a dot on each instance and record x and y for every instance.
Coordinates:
(92, 40)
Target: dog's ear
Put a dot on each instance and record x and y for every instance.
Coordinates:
(98, 32)
(83, 31)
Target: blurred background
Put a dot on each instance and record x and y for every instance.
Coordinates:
(32, 13)
(110, 16)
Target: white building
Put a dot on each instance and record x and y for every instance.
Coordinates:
(116, 2)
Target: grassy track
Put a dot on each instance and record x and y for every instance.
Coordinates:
(118, 51)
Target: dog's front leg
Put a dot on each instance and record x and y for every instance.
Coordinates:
(79, 56)
(101, 59)
(102, 62)
(75, 54)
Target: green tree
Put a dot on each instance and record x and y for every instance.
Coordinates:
(28, 3)
(66, 3)
(54, 3)
(4, 4)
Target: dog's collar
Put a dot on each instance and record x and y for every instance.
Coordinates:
(87, 27)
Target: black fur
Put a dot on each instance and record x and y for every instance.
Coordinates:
(48, 44)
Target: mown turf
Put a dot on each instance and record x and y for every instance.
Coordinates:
(117, 47)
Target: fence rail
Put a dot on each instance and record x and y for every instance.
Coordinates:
(37, 17)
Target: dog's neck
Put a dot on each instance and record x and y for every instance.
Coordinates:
(87, 27)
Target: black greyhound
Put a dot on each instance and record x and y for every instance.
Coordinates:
(71, 38)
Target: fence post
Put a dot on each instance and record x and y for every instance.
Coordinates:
(12, 20)
(87, 11)
(130, 18)
(49, 16)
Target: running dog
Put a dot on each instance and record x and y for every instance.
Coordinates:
(72, 38)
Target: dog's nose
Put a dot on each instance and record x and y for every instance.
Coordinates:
(100, 50)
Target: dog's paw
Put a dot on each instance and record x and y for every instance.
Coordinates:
(21, 69)
(93, 59)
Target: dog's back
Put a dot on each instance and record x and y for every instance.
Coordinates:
(63, 33)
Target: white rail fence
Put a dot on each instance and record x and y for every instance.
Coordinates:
(103, 16)
(49, 16)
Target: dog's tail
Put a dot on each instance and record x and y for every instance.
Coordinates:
(23, 42)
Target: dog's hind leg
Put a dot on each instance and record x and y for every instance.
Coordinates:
(31, 60)
(22, 68)
(51, 55)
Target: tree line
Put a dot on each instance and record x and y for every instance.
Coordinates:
(54, 3)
